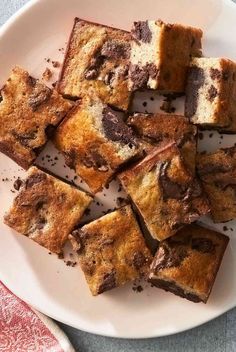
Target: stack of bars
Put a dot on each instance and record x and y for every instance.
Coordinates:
(170, 186)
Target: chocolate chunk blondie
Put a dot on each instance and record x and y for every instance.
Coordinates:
(210, 92)
(97, 61)
(153, 129)
(111, 250)
(164, 191)
(46, 209)
(95, 142)
(217, 172)
(160, 55)
(187, 263)
(29, 112)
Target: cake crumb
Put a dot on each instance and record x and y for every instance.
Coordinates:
(47, 74)
(56, 64)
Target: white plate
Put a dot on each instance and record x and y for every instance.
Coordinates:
(36, 33)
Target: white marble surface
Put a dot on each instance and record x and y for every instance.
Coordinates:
(218, 335)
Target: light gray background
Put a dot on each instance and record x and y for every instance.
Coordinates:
(217, 336)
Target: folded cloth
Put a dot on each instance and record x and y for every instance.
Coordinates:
(22, 329)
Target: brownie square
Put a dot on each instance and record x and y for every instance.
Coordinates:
(111, 250)
(97, 60)
(164, 191)
(153, 129)
(187, 263)
(95, 141)
(46, 209)
(217, 172)
(29, 112)
(210, 93)
(160, 55)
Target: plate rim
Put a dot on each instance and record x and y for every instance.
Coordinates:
(3, 29)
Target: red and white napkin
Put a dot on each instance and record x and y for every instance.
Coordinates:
(22, 329)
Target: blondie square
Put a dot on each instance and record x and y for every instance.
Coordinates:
(97, 61)
(95, 141)
(187, 263)
(111, 250)
(29, 112)
(217, 172)
(164, 191)
(210, 93)
(46, 209)
(160, 55)
(153, 129)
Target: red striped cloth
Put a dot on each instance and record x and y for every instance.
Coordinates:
(24, 330)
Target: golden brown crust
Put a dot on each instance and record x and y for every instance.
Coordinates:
(217, 172)
(164, 191)
(46, 209)
(112, 250)
(187, 263)
(95, 142)
(97, 60)
(28, 113)
(153, 129)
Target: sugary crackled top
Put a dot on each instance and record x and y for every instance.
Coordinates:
(97, 60)
(47, 209)
(112, 250)
(164, 191)
(191, 259)
(95, 141)
(28, 112)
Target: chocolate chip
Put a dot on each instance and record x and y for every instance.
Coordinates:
(212, 93)
(141, 32)
(115, 50)
(39, 96)
(25, 138)
(108, 282)
(17, 184)
(195, 81)
(169, 188)
(138, 260)
(115, 128)
(225, 75)
(41, 223)
(32, 81)
(204, 245)
(35, 179)
(168, 257)
(92, 71)
(215, 73)
(95, 160)
(39, 205)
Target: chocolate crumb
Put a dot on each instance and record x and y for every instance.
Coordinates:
(87, 212)
(200, 136)
(70, 263)
(210, 135)
(54, 84)
(49, 253)
(152, 98)
(137, 289)
(56, 64)
(225, 228)
(120, 201)
(60, 256)
(221, 137)
(144, 103)
(119, 189)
